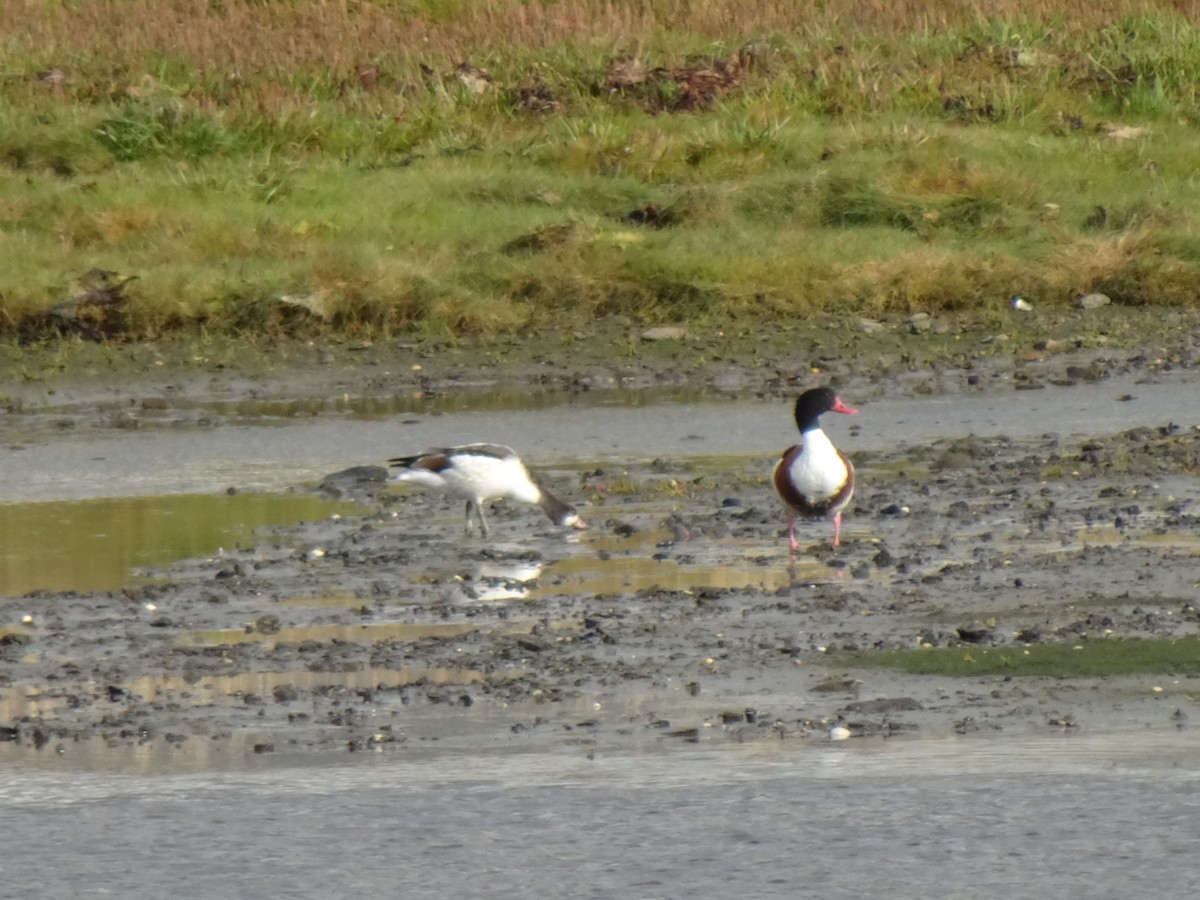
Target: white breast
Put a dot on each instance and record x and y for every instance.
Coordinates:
(817, 471)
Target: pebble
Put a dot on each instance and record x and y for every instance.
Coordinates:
(839, 733)
(919, 323)
(1092, 301)
(870, 326)
(664, 333)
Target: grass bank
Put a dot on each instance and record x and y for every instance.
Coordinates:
(444, 168)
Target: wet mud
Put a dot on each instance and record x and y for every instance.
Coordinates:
(678, 618)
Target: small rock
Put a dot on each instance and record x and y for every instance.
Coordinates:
(870, 326)
(1092, 301)
(883, 705)
(354, 478)
(285, 693)
(975, 633)
(840, 685)
(267, 625)
(919, 323)
(664, 333)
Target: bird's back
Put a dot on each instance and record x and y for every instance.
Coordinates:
(475, 471)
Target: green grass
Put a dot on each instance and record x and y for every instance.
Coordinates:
(902, 158)
(1112, 656)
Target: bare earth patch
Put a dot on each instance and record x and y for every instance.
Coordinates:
(679, 617)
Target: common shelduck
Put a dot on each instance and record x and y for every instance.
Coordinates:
(814, 478)
(479, 473)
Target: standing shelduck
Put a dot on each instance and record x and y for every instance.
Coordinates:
(814, 478)
(479, 473)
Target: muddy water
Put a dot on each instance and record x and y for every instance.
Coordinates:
(1065, 816)
(96, 544)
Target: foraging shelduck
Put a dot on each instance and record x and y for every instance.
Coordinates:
(482, 472)
(814, 478)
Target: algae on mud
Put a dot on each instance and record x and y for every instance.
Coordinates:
(1091, 658)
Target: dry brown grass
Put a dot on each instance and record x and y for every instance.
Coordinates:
(250, 38)
(932, 279)
(891, 156)
(1129, 266)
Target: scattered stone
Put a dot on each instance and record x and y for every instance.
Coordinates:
(870, 326)
(1092, 301)
(664, 333)
(285, 693)
(356, 478)
(883, 705)
(843, 685)
(920, 323)
(266, 625)
(976, 633)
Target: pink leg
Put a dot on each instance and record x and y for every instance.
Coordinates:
(837, 529)
(792, 533)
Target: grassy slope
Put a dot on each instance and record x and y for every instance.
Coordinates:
(852, 157)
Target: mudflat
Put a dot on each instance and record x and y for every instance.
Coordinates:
(1019, 557)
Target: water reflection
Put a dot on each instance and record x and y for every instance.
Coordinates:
(622, 564)
(432, 401)
(95, 544)
(225, 688)
(500, 580)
